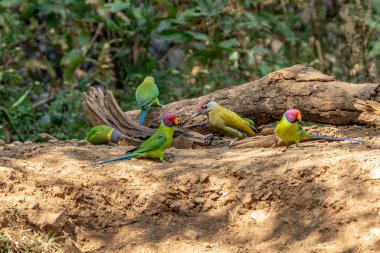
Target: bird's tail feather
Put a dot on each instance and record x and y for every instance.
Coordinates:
(143, 113)
(125, 157)
(333, 138)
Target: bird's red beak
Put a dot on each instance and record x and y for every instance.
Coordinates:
(176, 122)
(299, 118)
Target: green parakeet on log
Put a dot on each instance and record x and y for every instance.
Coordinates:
(147, 96)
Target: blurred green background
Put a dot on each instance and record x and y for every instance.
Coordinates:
(52, 50)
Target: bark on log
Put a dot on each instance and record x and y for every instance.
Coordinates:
(319, 97)
(370, 112)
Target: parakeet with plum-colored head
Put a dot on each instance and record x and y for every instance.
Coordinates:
(291, 132)
(147, 96)
(156, 144)
(225, 121)
(103, 134)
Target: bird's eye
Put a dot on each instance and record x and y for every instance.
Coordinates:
(204, 107)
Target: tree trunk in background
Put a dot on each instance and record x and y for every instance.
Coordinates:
(319, 97)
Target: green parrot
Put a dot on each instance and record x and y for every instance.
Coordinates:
(225, 121)
(147, 96)
(103, 134)
(155, 145)
(290, 132)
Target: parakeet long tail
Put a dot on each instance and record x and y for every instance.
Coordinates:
(333, 138)
(143, 113)
(125, 157)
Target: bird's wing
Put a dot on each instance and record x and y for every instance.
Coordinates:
(233, 120)
(153, 143)
(146, 93)
(99, 133)
(145, 102)
(302, 132)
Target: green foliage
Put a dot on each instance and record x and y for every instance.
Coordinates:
(51, 51)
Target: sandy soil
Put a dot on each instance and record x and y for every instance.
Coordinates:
(323, 198)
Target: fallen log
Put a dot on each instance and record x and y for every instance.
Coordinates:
(320, 98)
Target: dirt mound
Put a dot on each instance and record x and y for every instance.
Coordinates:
(323, 198)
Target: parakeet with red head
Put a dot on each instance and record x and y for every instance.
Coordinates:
(291, 132)
(155, 145)
(225, 121)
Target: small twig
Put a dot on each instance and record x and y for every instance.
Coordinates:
(134, 208)
(129, 222)
(93, 39)
(43, 101)
(319, 53)
(232, 216)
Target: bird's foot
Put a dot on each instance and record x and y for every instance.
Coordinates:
(198, 124)
(209, 138)
(168, 158)
(291, 147)
(276, 141)
(232, 142)
(164, 161)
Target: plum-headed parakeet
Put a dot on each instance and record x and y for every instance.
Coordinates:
(290, 132)
(225, 121)
(155, 145)
(147, 96)
(103, 134)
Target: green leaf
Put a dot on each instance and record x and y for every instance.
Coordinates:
(163, 25)
(204, 6)
(284, 28)
(198, 36)
(110, 24)
(10, 3)
(375, 50)
(210, 8)
(75, 53)
(185, 16)
(198, 45)
(70, 62)
(176, 36)
(118, 6)
(19, 101)
(84, 38)
(229, 43)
